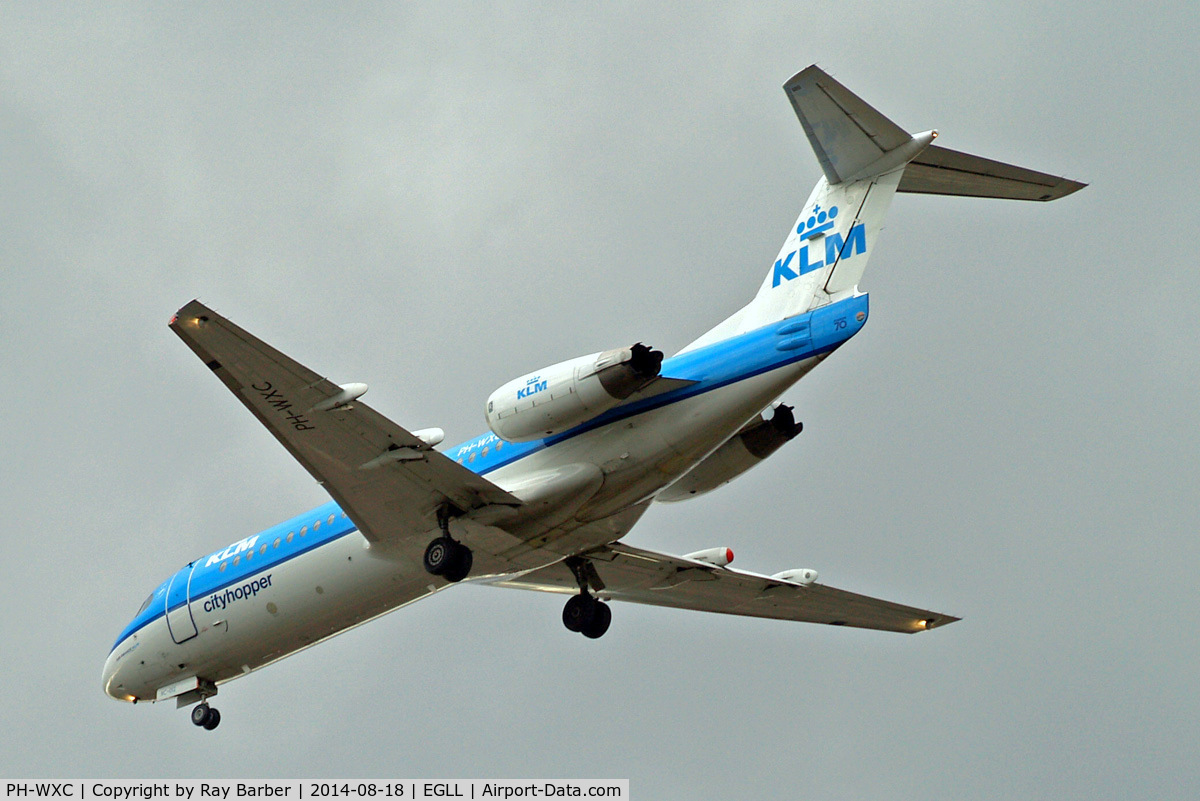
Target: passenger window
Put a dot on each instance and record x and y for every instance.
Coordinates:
(316, 524)
(330, 520)
(276, 543)
(303, 531)
(291, 535)
(263, 549)
(237, 560)
(222, 567)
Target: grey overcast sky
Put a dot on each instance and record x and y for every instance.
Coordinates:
(437, 198)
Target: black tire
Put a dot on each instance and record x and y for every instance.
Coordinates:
(460, 563)
(439, 555)
(601, 619)
(214, 719)
(578, 612)
(201, 713)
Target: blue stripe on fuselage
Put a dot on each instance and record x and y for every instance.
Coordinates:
(711, 367)
(209, 579)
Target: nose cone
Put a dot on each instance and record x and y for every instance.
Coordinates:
(115, 676)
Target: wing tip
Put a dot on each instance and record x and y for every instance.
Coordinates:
(191, 311)
(812, 70)
(1064, 187)
(934, 621)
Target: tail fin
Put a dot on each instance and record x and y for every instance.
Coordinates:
(863, 155)
(852, 140)
(866, 159)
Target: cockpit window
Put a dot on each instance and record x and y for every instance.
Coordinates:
(145, 604)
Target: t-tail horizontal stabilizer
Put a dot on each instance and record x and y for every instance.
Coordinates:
(853, 141)
(940, 171)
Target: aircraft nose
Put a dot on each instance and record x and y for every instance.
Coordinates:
(114, 682)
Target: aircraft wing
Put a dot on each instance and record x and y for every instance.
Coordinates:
(388, 481)
(625, 573)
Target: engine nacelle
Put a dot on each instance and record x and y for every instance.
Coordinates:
(747, 448)
(566, 394)
(799, 575)
(712, 556)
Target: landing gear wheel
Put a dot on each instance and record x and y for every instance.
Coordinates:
(460, 564)
(202, 712)
(438, 555)
(578, 612)
(448, 558)
(601, 618)
(214, 719)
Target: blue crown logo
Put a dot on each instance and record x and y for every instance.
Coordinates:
(818, 222)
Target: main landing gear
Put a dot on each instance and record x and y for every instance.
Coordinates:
(204, 715)
(446, 556)
(583, 613)
(586, 615)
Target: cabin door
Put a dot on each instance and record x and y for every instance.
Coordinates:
(179, 612)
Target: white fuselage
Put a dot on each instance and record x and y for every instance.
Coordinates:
(326, 577)
(587, 445)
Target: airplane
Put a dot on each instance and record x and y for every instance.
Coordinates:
(575, 454)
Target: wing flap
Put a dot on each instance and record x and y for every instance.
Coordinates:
(388, 481)
(626, 573)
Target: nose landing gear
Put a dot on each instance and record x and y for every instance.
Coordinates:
(205, 716)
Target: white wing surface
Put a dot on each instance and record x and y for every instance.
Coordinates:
(388, 481)
(625, 573)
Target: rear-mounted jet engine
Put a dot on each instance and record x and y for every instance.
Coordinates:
(750, 446)
(562, 396)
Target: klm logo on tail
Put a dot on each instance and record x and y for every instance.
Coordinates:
(817, 224)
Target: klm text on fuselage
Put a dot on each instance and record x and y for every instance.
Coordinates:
(532, 387)
(799, 262)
